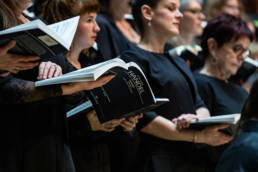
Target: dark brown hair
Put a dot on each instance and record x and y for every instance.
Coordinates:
(137, 13)
(224, 28)
(58, 10)
(7, 17)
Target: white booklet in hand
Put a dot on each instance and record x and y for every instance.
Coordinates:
(90, 73)
(37, 38)
(220, 119)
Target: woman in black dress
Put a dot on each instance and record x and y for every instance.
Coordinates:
(225, 45)
(171, 148)
(87, 134)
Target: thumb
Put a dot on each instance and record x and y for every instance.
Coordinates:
(8, 46)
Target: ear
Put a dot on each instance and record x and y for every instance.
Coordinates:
(147, 12)
(212, 45)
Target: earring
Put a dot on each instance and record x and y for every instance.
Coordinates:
(149, 23)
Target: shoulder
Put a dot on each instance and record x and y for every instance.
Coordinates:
(135, 54)
(104, 20)
(239, 89)
(202, 79)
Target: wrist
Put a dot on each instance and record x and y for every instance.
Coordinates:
(197, 137)
(68, 89)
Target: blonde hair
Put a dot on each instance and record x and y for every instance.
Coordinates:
(213, 8)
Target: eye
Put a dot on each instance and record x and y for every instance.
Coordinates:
(171, 7)
(237, 48)
(89, 20)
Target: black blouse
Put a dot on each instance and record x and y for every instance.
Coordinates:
(169, 77)
(111, 41)
(32, 125)
(220, 97)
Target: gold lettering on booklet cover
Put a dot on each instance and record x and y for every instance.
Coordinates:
(105, 94)
(47, 40)
(137, 82)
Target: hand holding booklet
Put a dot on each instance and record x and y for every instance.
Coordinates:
(128, 94)
(220, 119)
(230, 119)
(37, 38)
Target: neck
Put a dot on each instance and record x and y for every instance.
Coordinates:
(185, 38)
(215, 70)
(153, 42)
(73, 57)
(115, 12)
(128, 31)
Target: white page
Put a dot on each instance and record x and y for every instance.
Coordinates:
(66, 29)
(79, 108)
(252, 61)
(231, 118)
(26, 26)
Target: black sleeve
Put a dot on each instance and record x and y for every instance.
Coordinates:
(197, 98)
(205, 92)
(14, 90)
(104, 39)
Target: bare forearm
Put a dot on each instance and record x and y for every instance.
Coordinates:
(165, 129)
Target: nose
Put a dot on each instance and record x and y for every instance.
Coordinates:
(96, 27)
(179, 14)
(243, 55)
(202, 16)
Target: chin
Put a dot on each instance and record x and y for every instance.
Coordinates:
(233, 72)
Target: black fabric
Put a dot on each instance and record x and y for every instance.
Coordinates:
(111, 42)
(169, 77)
(242, 154)
(33, 132)
(221, 98)
(100, 151)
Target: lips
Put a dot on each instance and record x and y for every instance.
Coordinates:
(176, 24)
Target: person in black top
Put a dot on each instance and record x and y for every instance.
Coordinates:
(169, 150)
(116, 34)
(87, 134)
(241, 155)
(224, 42)
(33, 126)
(225, 45)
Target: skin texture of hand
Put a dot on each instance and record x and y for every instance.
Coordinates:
(95, 124)
(212, 136)
(130, 123)
(184, 120)
(49, 70)
(15, 63)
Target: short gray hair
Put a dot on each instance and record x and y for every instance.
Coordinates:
(184, 4)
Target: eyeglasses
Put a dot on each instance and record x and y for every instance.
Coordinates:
(195, 11)
(239, 50)
(231, 7)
